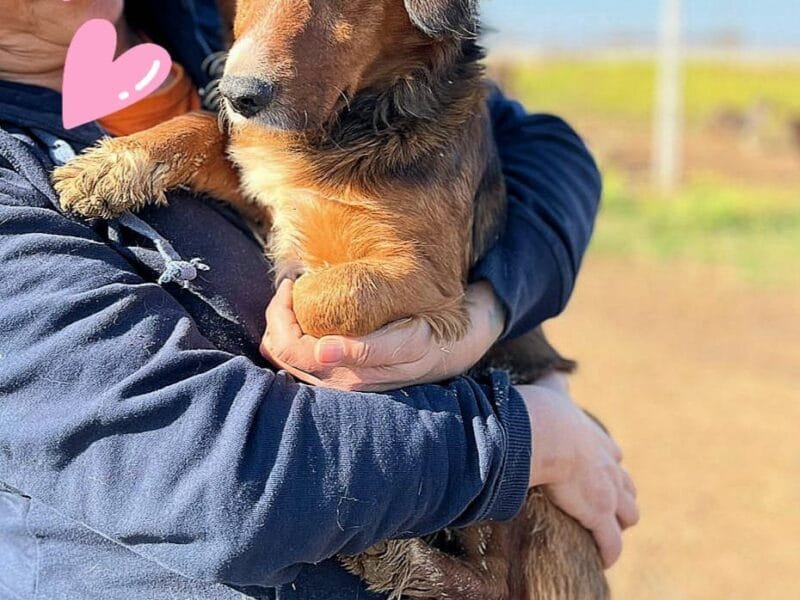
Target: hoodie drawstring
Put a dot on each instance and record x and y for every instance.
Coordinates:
(176, 270)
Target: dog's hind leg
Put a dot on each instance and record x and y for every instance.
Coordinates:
(563, 561)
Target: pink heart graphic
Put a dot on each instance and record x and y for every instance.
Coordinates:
(96, 85)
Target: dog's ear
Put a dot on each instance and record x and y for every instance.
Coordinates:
(444, 18)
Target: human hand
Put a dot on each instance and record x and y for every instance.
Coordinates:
(400, 354)
(579, 466)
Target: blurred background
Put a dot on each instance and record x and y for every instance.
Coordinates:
(686, 320)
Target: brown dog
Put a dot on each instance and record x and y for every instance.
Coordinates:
(358, 129)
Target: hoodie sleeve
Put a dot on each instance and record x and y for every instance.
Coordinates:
(553, 197)
(117, 412)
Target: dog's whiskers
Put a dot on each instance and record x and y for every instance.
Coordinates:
(223, 119)
(344, 96)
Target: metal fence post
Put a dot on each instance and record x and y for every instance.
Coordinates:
(668, 117)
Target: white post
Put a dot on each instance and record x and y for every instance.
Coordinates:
(668, 123)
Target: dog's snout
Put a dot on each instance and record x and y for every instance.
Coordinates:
(247, 96)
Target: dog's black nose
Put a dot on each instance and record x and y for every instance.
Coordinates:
(247, 96)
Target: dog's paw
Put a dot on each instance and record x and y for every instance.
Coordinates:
(114, 177)
(339, 300)
(399, 569)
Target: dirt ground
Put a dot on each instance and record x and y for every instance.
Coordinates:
(698, 376)
(708, 151)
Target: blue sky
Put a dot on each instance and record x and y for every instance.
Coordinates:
(760, 23)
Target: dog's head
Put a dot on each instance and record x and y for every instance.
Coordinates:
(296, 64)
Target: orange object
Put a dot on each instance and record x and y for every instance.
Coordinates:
(176, 97)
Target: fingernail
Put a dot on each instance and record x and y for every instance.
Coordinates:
(330, 352)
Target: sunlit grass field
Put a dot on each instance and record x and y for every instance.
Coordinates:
(738, 206)
(754, 230)
(624, 89)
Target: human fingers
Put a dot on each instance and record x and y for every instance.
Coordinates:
(628, 510)
(283, 342)
(399, 343)
(608, 535)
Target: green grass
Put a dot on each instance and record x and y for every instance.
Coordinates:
(754, 230)
(625, 89)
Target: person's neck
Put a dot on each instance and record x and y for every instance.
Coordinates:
(43, 65)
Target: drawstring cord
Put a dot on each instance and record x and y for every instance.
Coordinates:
(175, 270)
(214, 67)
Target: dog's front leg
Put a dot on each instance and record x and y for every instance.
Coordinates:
(126, 173)
(356, 298)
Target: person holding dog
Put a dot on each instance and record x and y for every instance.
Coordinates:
(146, 448)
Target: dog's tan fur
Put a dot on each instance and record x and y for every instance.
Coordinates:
(381, 193)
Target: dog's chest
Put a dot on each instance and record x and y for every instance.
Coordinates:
(316, 225)
(278, 182)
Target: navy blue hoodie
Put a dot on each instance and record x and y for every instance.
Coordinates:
(146, 449)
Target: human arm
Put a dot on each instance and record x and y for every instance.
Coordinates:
(554, 192)
(118, 413)
(574, 459)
